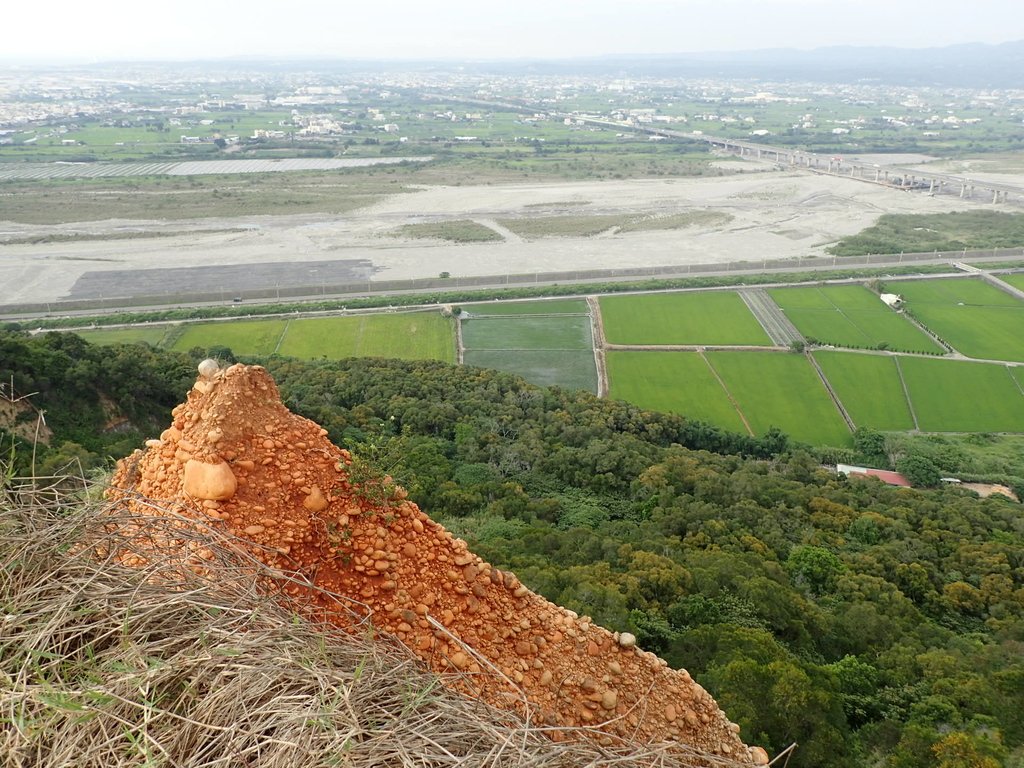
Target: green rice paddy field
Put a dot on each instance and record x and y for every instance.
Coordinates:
(516, 332)
(547, 343)
(974, 317)
(148, 334)
(410, 336)
(869, 387)
(1018, 376)
(782, 390)
(677, 382)
(715, 317)
(1016, 279)
(571, 369)
(243, 337)
(550, 343)
(850, 316)
(958, 396)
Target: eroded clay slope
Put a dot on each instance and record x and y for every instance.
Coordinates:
(236, 458)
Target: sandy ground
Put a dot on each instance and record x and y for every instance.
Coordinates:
(777, 214)
(999, 168)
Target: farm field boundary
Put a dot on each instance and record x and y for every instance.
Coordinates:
(742, 388)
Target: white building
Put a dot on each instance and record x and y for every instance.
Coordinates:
(893, 300)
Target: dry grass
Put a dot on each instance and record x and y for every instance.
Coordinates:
(106, 666)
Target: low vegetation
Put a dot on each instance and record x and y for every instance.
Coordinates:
(958, 396)
(920, 233)
(585, 226)
(457, 231)
(175, 198)
(763, 385)
(700, 218)
(870, 387)
(84, 237)
(551, 348)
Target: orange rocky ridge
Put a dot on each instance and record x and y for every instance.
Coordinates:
(237, 458)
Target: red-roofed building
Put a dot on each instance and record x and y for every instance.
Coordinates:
(885, 475)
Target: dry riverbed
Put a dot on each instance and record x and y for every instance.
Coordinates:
(775, 215)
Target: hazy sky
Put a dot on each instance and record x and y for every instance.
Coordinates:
(118, 29)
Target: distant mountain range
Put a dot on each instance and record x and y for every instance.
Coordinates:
(969, 65)
(973, 65)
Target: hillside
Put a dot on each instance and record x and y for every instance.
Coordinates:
(347, 547)
(105, 666)
(870, 625)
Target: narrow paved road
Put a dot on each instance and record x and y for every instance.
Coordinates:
(774, 321)
(600, 345)
(505, 232)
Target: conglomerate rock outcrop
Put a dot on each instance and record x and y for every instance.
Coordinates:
(353, 547)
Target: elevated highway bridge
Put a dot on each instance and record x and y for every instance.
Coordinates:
(835, 165)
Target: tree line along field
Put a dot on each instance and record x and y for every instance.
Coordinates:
(655, 353)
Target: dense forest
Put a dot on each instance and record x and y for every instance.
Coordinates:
(871, 625)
